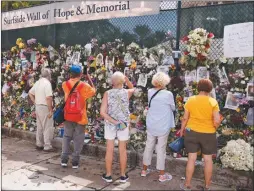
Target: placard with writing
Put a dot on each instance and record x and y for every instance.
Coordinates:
(238, 40)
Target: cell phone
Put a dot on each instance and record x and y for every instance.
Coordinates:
(85, 68)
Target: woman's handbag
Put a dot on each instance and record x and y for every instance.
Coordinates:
(58, 115)
(121, 126)
(177, 145)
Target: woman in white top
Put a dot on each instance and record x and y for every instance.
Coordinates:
(159, 121)
(115, 111)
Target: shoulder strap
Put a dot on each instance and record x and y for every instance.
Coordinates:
(153, 97)
(80, 86)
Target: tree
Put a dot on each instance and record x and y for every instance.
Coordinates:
(10, 5)
(143, 31)
(128, 38)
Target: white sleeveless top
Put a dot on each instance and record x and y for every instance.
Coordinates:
(118, 106)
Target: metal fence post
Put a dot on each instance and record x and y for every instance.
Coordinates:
(179, 7)
(176, 54)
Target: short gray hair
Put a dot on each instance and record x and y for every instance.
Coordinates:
(46, 73)
(160, 79)
(118, 77)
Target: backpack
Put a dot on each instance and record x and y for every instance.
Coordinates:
(74, 109)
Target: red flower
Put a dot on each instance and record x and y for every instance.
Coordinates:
(201, 57)
(186, 53)
(207, 46)
(210, 35)
(184, 39)
(9, 84)
(246, 132)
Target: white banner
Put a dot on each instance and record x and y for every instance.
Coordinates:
(238, 40)
(68, 12)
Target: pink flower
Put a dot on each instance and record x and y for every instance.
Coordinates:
(91, 58)
(210, 35)
(31, 41)
(185, 39)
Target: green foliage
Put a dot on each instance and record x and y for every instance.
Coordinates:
(10, 5)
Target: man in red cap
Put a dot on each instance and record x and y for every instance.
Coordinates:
(75, 130)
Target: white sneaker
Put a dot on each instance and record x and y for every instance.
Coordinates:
(144, 173)
(165, 177)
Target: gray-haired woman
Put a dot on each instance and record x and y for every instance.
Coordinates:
(115, 111)
(159, 121)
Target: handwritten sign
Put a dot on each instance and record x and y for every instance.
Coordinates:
(238, 40)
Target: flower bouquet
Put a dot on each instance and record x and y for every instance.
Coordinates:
(197, 47)
(237, 154)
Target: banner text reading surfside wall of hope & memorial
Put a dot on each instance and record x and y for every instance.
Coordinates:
(67, 12)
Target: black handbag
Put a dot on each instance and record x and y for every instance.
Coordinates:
(58, 115)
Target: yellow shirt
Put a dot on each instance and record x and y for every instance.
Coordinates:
(201, 110)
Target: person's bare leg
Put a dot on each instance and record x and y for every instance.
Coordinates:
(123, 157)
(208, 169)
(190, 168)
(109, 157)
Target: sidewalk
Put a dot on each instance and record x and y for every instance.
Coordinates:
(24, 168)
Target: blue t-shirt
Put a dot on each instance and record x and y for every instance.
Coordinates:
(160, 117)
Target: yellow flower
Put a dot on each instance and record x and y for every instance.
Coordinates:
(244, 119)
(8, 67)
(93, 65)
(43, 50)
(238, 109)
(133, 117)
(133, 65)
(13, 49)
(21, 45)
(22, 82)
(103, 68)
(182, 60)
(118, 62)
(18, 41)
(13, 102)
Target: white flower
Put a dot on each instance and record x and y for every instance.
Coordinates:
(162, 51)
(99, 96)
(204, 54)
(223, 59)
(100, 77)
(69, 52)
(62, 46)
(237, 155)
(193, 54)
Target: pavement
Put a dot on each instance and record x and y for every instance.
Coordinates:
(25, 168)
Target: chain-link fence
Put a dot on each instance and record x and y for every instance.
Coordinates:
(147, 31)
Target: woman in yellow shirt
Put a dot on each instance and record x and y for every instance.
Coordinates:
(200, 121)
